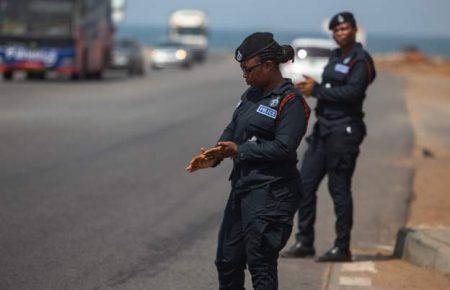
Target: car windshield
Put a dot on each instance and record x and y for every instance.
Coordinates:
(169, 44)
(36, 17)
(306, 52)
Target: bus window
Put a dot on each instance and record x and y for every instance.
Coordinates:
(50, 17)
(36, 17)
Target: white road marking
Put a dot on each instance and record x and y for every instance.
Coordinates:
(386, 248)
(355, 281)
(367, 266)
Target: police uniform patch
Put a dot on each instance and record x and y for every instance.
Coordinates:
(253, 139)
(267, 111)
(342, 68)
(274, 102)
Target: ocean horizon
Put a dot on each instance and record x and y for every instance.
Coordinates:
(226, 40)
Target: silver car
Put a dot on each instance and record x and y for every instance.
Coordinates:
(311, 57)
(169, 54)
(127, 55)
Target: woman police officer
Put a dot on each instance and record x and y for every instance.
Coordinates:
(333, 147)
(262, 138)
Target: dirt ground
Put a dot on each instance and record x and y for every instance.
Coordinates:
(398, 274)
(428, 103)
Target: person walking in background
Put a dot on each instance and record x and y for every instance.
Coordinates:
(262, 138)
(333, 146)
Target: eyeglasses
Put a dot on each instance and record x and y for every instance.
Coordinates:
(248, 70)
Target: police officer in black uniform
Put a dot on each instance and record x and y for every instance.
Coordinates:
(333, 147)
(262, 138)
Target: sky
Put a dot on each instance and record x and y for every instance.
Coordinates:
(394, 17)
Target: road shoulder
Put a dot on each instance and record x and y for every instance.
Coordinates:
(423, 244)
(424, 241)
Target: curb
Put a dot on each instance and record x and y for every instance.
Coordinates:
(425, 247)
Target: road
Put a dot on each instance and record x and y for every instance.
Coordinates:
(93, 192)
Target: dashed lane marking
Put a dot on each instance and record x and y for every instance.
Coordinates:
(355, 281)
(367, 266)
(386, 248)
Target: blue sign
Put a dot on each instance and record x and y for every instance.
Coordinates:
(50, 57)
(269, 112)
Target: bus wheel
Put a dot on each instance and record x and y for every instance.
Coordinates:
(35, 75)
(131, 71)
(141, 71)
(8, 75)
(98, 75)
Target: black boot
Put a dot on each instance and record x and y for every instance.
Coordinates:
(298, 250)
(336, 254)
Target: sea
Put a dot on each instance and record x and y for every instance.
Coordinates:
(226, 40)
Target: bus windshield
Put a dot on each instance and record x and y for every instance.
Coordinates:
(36, 18)
(191, 31)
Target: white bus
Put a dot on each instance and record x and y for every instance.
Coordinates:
(190, 27)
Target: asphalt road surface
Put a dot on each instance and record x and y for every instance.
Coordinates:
(93, 192)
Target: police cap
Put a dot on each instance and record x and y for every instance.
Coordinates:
(253, 44)
(342, 17)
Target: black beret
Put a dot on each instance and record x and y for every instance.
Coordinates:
(253, 44)
(343, 17)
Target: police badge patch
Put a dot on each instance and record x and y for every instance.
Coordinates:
(342, 68)
(269, 112)
(274, 103)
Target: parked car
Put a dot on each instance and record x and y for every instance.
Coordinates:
(311, 57)
(171, 53)
(127, 55)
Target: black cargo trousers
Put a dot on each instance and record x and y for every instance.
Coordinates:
(256, 225)
(334, 154)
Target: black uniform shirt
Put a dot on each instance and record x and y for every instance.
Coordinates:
(344, 83)
(268, 130)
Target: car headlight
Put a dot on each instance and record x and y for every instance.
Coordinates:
(302, 53)
(120, 58)
(181, 54)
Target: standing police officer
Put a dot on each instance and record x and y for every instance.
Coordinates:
(262, 138)
(333, 147)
